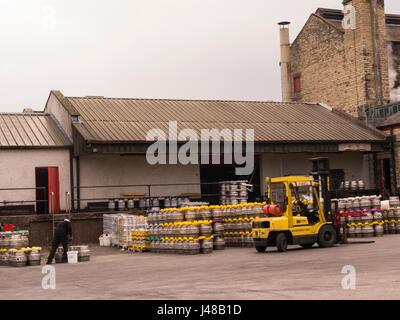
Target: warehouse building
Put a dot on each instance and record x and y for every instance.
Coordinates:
(92, 146)
(109, 139)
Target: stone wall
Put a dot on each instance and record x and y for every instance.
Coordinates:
(343, 68)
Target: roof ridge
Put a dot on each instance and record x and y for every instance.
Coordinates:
(193, 100)
(38, 113)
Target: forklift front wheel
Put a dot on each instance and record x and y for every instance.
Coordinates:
(281, 242)
(261, 249)
(327, 237)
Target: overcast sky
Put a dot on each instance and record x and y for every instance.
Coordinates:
(180, 49)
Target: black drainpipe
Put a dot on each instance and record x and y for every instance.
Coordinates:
(393, 160)
(71, 175)
(78, 184)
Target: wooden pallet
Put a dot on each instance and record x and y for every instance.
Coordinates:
(138, 250)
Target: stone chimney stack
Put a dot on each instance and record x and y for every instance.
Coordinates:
(365, 38)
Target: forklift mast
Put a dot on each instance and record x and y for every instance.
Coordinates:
(320, 173)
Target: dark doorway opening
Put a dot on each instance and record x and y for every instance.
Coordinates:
(214, 173)
(48, 196)
(42, 178)
(336, 178)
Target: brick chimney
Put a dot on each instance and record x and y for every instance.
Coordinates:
(367, 53)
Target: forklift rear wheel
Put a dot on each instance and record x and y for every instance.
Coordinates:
(261, 248)
(281, 242)
(307, 245)
(327, 237)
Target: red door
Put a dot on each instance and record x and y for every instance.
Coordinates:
(54, 190)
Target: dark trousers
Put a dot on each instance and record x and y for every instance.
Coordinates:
(56, 242)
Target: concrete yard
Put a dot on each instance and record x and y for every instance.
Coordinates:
(234, 273)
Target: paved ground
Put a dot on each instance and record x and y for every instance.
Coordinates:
(230, 274)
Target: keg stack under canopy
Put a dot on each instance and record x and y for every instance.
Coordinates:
(234, 192)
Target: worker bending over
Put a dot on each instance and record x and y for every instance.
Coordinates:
(62, 235)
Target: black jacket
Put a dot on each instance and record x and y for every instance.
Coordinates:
(63, 230)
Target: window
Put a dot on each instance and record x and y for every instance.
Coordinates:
(297, 84)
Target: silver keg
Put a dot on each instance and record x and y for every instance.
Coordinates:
(358, 232)
(206, 230)
(392, 228)
(234, 194)
(368, 218)
(352, 232)
(34, 258)
(394, 202)
(59, 254)
(131, 204)
(4, 259)
(167, 202)
(193, 231)
(375, 202)
(111, 205)
(367, 231)
(342, 204)
(378, 216)
(396, 213)
(18, 259)
(121, 205)
(378, 230)
(349, 204)
(365, 203)
(207, 246)
(218, 228)
(16, 241)
(219, 243)
(83, 253)
(234, 186)
(174, 202)
(356, 203)
(190, 215)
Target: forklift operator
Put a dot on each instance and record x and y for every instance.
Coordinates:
(63, 235)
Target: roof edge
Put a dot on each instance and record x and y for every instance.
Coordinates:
(371, 129)
(186, 100)
(59, 126)
(64, 102)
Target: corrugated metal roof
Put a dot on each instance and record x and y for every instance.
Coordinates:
(30, 130)
(128, 120)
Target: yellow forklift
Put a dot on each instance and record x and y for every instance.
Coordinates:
(294, 213)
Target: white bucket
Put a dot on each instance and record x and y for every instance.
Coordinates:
(105, 240)
(72, 256)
